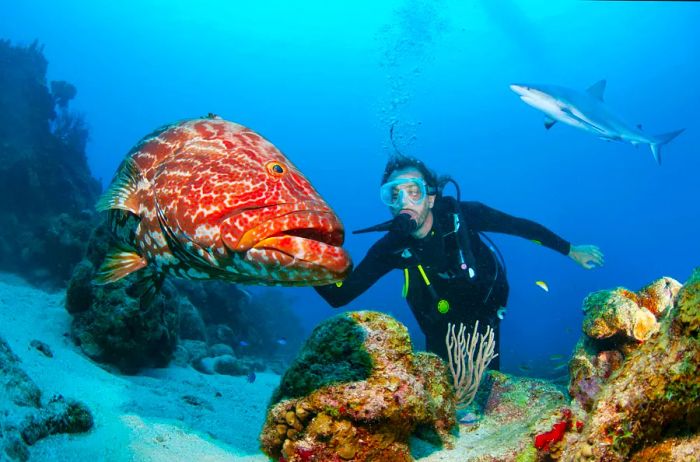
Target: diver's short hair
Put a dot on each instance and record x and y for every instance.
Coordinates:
(400, 162)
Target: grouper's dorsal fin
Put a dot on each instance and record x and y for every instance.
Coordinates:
(597, 90)
(121, 194)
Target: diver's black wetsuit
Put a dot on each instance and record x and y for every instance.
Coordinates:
(469, 299)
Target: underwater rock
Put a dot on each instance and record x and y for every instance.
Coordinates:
(228, 365)
(190, 352)
(357, 392)
(654, 394)
(42, 348)
(219, 349)
(58, 416)
(23, 418)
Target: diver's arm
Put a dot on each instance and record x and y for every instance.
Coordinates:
(375, 265)
(483, 218)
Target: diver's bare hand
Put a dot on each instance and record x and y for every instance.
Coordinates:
(588, 256)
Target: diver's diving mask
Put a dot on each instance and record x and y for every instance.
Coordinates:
(395, 193)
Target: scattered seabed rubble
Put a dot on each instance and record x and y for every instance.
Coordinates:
(25, 415)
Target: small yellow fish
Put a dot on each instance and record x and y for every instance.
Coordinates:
(543, 285)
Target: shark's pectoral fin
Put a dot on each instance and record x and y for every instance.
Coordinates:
(549, 122)
(597, 90)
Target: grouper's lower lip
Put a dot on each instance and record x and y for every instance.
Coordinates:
(316, 225)
(309, 253)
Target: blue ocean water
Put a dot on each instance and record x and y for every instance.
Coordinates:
(324, 81)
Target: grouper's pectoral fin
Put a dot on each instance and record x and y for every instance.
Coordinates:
(122, 192)
(119, 262)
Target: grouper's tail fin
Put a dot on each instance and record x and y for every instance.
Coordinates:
(660, 140)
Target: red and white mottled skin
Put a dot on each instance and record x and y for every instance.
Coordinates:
(235, 200)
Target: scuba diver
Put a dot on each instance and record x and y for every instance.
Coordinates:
(452, 272)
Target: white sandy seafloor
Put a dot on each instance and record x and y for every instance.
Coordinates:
(169, 414)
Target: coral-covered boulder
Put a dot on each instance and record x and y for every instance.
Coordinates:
(626, 313)
(616, 323)
(652, 392)
(357, 392)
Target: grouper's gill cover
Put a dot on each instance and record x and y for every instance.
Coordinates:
(213, 199)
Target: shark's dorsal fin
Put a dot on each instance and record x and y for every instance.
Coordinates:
(597, 90)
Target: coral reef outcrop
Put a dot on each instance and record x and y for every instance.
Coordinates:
(46, 190)
(357, 392)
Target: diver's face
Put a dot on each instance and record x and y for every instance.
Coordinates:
(407, 197)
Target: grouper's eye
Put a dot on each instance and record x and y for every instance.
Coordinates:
(276, 169)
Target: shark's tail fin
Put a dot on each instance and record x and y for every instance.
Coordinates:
(660, 140)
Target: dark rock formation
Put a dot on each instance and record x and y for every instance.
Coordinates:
(112, 324)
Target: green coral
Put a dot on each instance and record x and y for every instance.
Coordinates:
(334, 353)
(528, 455)
(689, 306)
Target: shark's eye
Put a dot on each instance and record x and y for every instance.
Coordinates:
(276, 169)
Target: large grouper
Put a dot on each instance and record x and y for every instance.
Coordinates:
(211, 199)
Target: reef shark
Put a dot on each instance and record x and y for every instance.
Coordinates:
(587, 111)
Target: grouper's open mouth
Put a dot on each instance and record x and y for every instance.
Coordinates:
(302, 246)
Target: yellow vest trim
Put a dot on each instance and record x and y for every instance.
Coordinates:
(425, 276)
(404, 291)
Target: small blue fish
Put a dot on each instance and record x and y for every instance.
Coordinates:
(501, 313)
(282, 341)
(251, 377)
(243, 343)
